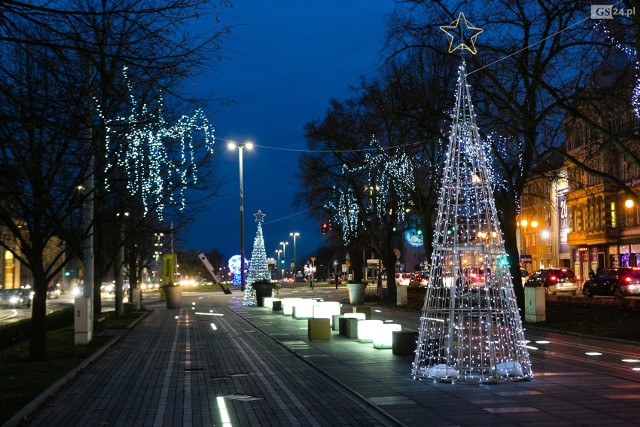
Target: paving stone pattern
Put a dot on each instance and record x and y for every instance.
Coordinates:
(182, 367)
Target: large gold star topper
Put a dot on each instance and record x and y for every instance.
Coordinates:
(259, 216)
(455, 29)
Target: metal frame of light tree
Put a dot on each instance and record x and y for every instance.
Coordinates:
(470, 328)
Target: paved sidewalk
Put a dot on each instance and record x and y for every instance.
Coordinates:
(216, 362)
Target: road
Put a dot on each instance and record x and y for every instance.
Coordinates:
(10, 315)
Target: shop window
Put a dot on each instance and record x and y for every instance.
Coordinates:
(614, 223)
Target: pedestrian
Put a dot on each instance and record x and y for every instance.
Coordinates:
(337, 281)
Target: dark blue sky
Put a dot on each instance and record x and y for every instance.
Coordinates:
(284, 60)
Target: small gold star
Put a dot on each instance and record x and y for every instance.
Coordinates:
(259, 216)
(456, 30)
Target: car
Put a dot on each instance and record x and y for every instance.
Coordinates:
(53, 291)
(417, 280)
(15, 298)
(476, 277)
(403, 279)
(555, 280)
(619, 282)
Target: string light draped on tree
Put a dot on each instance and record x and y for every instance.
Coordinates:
(387, 178)
(160, 159)
(631, 53)
(470, 328)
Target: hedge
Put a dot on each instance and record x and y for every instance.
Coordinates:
(13, 333)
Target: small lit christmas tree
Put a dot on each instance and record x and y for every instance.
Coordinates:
(258, 267)
(470, 328)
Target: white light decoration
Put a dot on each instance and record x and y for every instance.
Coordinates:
(384, 337)
(158, 159)
(258, 266)
(268, 302)
(287, 305)
(326, 310)
(303, 309)
(470, 328)
(387, 179)
(632, 53)
(367, 329)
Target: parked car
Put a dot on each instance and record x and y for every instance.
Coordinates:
(53, 291)
(417, 280)
(619, 282)
(403, 279)
(15, 298)
(475, 277)
(555, 280)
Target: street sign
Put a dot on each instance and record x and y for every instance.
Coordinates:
(313, 259)
(526, 258)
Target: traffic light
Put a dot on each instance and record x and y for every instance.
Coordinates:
(324, 228)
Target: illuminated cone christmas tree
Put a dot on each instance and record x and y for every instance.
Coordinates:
(470, 328)
(258, 266)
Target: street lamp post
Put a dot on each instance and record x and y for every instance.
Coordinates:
(278, 252)
(284, 255)
(240, 148)
(294, 235)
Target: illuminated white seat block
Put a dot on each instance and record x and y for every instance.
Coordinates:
(268, 302)
(287, 305)
(367, 329)
(384, 337)
(359, 316)
(326, 310)
(303, 309)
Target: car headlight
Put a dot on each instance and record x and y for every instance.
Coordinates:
(13, 300)
(76, 292)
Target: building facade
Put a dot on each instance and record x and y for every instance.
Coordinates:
(603, 219)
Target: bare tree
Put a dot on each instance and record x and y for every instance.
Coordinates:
(62, 63)
(373, 192)
(527, 48)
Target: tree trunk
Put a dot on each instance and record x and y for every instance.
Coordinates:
(38, 343)
(511, 247)
(390, 270)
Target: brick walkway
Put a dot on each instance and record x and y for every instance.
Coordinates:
(183, 368)
(216, 362)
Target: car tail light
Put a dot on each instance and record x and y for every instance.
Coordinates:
(627, 279)
(553, 278)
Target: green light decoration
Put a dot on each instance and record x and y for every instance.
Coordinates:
(470, 327)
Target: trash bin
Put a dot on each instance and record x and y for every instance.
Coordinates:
(534, 304)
